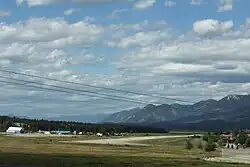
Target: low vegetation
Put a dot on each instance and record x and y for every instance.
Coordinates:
(189, 145)
(210, 146)
(247, 143)
(68, 160)
(200, 145)
(49, 152)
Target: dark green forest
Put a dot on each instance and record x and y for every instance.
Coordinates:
(34, 125)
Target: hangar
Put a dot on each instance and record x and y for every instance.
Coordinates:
(15, 130)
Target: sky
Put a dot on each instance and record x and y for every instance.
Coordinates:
(183, 49)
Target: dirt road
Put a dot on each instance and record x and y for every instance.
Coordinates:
(125, 141)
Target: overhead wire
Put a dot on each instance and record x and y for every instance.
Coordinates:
(50, 99)
(77, 91)
(92, 86)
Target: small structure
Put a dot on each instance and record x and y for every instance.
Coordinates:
(15, 130)
(99, 134)
(75, 133)
(44, 132)
(226, 134)
(61, 132)
(47, 132)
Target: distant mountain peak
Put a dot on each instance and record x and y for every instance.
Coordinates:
(149, 106)
(235, 97)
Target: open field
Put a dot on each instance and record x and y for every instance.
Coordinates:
(48, 151)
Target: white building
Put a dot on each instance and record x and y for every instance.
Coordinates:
(47, 132)
(15, 130)
(99, 134)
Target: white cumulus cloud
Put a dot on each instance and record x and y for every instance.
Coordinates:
(196, 2)
(4, 13)
(210, 27)
(32, 3)
(70, 11)
(143, 4)
(225, 5)
(169, 3)
(49, 30)
(116, 12)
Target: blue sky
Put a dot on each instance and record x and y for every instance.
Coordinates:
(185, 49)
(189, 13)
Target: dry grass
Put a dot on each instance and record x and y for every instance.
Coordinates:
(164, 152)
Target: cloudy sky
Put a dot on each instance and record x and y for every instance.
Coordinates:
(182, 49)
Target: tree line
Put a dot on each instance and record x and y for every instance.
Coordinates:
(34, 125)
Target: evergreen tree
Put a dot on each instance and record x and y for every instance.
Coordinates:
(242, 138)
(247, 143)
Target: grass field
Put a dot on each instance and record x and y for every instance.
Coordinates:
(48, 151)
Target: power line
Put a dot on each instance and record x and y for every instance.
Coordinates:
(50, 99)
(72, 89)
(70, 92)
(99, 87)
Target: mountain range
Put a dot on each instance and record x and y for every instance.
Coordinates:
(232, 109)
(95, 118)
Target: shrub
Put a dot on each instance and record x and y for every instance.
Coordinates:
(247, 143)
(189, 145)
(200, 146)
(205, 137)
(237, 141)
(222, 142)
(210, 146)
(211, 137)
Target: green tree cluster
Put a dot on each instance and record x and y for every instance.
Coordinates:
(242, 137)
(210, 136)
(33, 125)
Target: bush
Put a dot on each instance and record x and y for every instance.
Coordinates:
(200, 146)
(222, 142)
(213, 138)
(210, 146)
(205, 137)
(247, 143)
(189, 145)
(237, 141)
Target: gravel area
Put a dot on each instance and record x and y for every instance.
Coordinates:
(233, 156)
